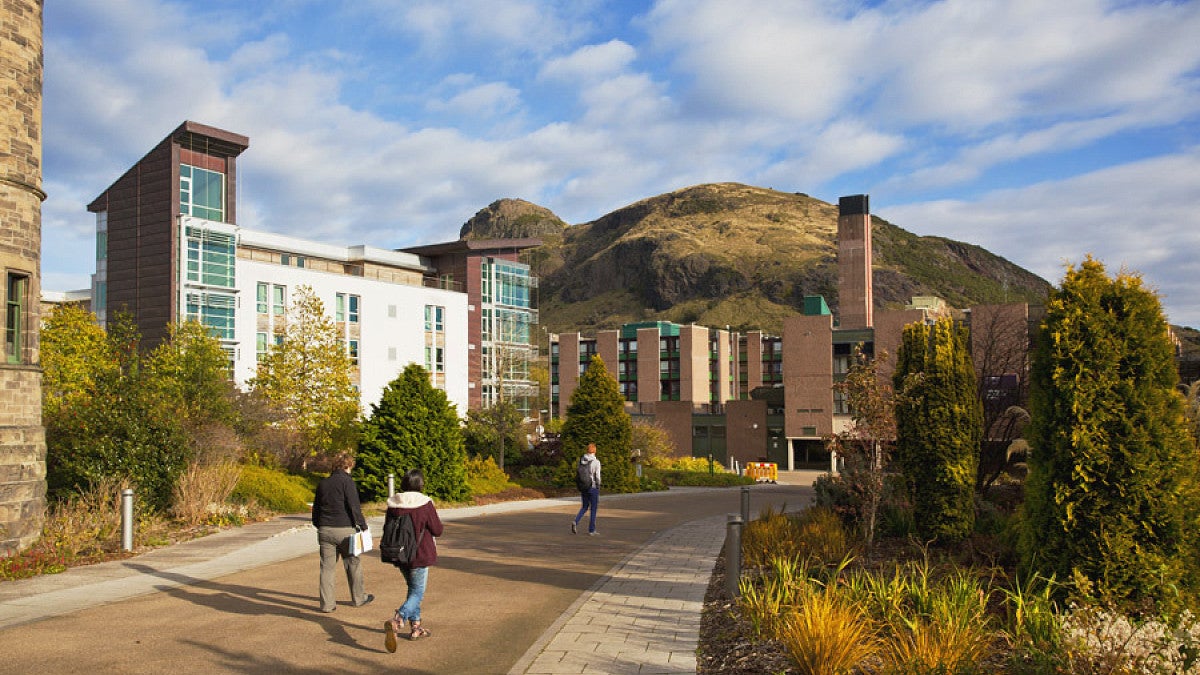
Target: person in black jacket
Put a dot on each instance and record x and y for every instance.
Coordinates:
(335, 513)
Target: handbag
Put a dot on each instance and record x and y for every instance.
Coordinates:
(361, 542)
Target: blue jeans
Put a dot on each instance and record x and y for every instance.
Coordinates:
(415, 578)
(591, 500)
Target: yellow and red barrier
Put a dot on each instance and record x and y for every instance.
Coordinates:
(763, 472)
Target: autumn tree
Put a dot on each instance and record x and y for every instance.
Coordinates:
(654, 442)
(1111, 500)
(76, 355)
(866, 444)
(308, 378)
(414, 426)
(938, 427)
(597, 415)
(103, 415)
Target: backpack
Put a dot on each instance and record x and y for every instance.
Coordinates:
(583, 476)
(400, 542)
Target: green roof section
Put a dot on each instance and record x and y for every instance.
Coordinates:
(814, 305)
(665, 328)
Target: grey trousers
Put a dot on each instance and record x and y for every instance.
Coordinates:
(335, 543)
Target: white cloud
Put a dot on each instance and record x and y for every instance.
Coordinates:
(779, 58)
(486, 100)
(1139, 216)
(591, 62)
(391, 122)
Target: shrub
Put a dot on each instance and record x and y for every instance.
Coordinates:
(202, 492)
(275, 490)
(1112, 493)
(695, 478)
(484, 477)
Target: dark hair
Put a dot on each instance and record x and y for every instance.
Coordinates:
(413, 481)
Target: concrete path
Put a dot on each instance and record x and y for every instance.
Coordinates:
(642, 616)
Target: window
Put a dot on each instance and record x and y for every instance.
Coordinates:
(261, 298)
(214, 311)
(353, 351)
(101, 245)
(260, 347)
(278, 305)
(285, 259)
(339, 308)
(354, 309)
(14, 317)
(210, 257)
(201, 193)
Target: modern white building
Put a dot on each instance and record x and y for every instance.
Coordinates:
(168, 249)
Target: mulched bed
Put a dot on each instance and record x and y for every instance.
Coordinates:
(726, 647)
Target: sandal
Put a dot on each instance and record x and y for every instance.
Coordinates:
(392, 627)
(418, 632)
(389, 640)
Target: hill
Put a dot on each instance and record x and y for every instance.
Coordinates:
(732, 254)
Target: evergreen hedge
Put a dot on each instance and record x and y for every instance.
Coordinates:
(1111, 500)
(939, 424)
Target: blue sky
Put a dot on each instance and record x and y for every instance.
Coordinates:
(1042, 131)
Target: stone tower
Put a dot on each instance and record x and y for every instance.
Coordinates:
(22, 439)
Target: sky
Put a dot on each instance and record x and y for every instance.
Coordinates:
(1044, 131)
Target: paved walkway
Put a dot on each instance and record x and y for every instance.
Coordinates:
(643, 616)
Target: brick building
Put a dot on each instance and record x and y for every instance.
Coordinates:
(753, 396)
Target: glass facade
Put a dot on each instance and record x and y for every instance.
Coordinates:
(507, 319)
(210, 257)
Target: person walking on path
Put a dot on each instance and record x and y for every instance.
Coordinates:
(587, 479)
(412, 501)
(336, 513)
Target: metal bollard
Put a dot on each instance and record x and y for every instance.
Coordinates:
(733, 554)
(745, 503)
(391, 484)
(127, 519)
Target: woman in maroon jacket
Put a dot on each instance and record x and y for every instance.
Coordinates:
(426, 525)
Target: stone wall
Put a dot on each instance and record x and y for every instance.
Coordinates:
(22, 440)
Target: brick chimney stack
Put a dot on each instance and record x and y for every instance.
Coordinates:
(854, 263)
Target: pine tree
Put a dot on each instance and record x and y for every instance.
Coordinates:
(414, 426)
(597, 415)
(939, 424)
(1111, 499)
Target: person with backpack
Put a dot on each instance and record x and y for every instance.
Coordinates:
(587, 480)
(411, 547)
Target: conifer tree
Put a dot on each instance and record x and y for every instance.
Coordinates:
(1111, 499)
(597, 415)
(939, 423)
(414, 426)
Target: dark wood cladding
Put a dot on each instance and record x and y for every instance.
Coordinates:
(143, 208)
